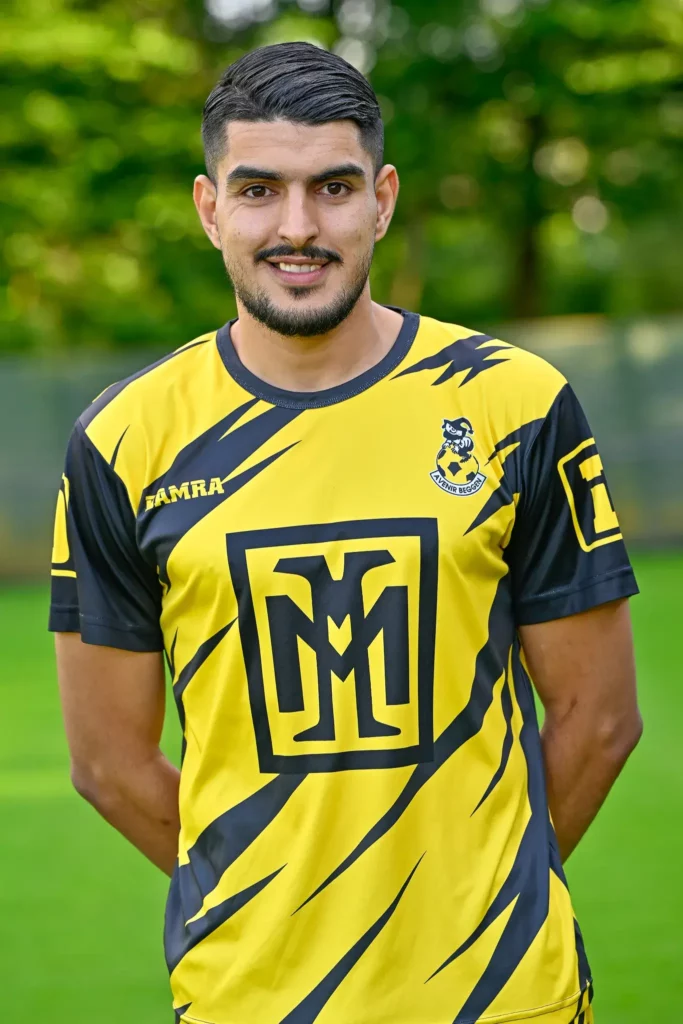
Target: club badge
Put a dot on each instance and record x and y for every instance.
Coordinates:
(457, 467)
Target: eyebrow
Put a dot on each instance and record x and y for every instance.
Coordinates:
(243, 172)
(341, 171)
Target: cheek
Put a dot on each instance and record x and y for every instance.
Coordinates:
(244, 228)
(354, 226)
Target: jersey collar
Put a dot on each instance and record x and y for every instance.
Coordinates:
(329, 396)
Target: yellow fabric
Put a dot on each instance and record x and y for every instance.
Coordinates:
(552, 1016)
(345, 876)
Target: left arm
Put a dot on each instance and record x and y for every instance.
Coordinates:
(571, 575)
(583, 669)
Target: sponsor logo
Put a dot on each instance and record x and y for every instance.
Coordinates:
(184, 492)
(594, 518)
(62, 564)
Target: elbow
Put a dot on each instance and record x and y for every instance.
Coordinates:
(92, 782)
(636, 732)
(618, 738)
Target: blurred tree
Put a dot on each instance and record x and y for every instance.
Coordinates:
(100, 128)
(540, 150)
(539, 145)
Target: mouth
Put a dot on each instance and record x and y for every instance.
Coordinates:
(301, 273)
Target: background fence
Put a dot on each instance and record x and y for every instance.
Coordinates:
(629, 376)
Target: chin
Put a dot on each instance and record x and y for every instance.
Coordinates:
(298, 295)
(308, 313)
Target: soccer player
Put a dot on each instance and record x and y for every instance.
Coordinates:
(358, 534)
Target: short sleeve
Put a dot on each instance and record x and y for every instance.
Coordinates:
(566, 552)
(102, 587)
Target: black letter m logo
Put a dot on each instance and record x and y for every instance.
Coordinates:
(337, 624)
(337, 600)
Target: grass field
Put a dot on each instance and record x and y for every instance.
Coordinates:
(81, 912)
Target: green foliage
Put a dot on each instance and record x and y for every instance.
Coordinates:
(540, 150)
(101, 129)
(539, 145)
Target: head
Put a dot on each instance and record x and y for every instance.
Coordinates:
(296, 193)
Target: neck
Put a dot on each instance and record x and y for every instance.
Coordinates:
(317, 363)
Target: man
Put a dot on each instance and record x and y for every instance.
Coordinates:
(353, 530)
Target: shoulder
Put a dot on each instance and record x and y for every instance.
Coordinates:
(141, 396)
(444, 352)
(124, 396)
(139, 425)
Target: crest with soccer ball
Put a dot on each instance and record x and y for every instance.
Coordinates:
(457, 467)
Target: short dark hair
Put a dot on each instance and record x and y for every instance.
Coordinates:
(296, 82)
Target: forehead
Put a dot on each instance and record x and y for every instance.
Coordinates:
(293, 150)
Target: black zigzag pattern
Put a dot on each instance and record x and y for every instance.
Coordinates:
(473, 354)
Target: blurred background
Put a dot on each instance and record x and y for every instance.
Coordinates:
(540, 147)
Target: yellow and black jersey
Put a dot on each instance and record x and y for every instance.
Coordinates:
(337, 579)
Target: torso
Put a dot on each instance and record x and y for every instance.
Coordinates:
(365, 833)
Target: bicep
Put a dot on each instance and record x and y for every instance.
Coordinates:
(584, 658)
(112, 700)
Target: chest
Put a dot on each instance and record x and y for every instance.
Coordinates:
(329, 485)
(354, 567)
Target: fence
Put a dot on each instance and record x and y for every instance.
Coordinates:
(628, 375)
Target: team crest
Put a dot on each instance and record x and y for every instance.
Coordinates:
(457, 467)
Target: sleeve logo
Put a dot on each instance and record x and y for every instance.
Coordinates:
(583, 479)
(457, 467)
(61, 555)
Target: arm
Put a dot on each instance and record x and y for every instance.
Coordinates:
(105, 610)
(113, 705)
(584, 672)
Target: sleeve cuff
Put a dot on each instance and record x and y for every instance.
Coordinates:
(572, 601)
(64, 620)
(100, 634)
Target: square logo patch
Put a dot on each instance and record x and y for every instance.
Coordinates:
(585, 486)
(337, 624)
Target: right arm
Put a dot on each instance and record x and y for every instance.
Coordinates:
(113, 705)
(105, 610)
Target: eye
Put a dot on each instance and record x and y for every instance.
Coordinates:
(257, 192)
(335, 189)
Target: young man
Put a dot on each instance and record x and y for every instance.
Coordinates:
(354, 531)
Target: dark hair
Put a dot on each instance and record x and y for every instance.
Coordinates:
(296, 82)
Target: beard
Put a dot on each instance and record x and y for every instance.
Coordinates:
(301, 323)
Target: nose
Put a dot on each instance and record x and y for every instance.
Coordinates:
(298, 225)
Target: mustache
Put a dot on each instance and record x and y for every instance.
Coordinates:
(310, 252)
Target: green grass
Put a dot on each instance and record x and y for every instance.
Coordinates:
(81, 911)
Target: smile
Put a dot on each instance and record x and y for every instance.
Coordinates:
(299, 273)
(298, 268)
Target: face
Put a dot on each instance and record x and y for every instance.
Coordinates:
(296, 211)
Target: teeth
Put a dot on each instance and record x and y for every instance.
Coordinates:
(298, 268)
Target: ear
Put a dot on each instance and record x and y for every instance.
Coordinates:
(204, 194)
(386, 191)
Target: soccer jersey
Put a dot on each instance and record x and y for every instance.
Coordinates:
(337, 579)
